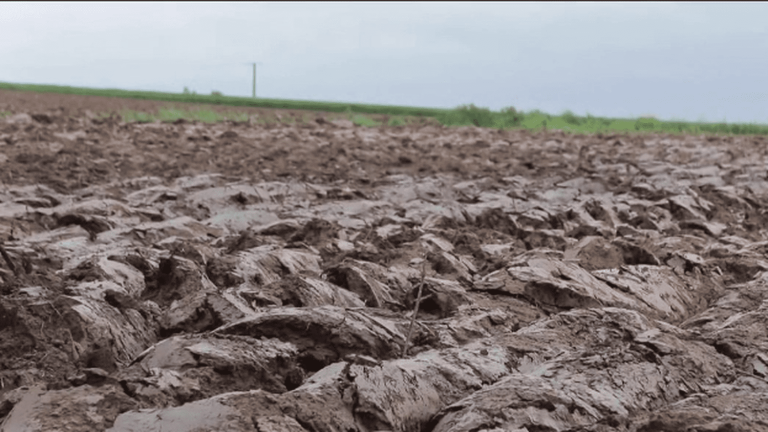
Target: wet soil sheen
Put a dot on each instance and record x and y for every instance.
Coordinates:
(321, 276)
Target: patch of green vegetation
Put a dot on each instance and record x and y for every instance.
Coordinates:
(396, 121)
(569, 122)
(362, 120)
(535, 120)
(104, 115)
(130, 116)
(570, 118)
(468, 115)
(4, 114)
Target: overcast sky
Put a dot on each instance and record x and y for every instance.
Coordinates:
(693, 61)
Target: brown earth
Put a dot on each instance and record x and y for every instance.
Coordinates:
(249, 276)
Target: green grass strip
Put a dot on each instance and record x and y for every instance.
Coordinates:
(509, 118)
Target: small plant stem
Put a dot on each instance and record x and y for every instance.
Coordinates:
(415, 308)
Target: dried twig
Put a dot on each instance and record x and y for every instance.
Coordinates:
(54, 308)
(416, 307)
(75, 352)
(8, 260)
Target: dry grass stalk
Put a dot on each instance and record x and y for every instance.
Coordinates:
(416, 307)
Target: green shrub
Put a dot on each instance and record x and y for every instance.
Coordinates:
(570, 118)
(509, 118)
(466, 115)
(646, 124)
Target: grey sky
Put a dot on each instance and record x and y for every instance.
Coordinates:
(675, 60)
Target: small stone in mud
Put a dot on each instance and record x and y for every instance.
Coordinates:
(294, 378)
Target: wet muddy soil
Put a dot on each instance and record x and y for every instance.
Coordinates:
(322, 276)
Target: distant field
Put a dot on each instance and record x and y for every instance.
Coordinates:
(460, 116)
(230, 100)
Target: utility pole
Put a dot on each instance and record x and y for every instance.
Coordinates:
(254, 77)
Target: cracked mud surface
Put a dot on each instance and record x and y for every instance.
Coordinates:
(241, 276)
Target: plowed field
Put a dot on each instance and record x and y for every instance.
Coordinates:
(314, 275)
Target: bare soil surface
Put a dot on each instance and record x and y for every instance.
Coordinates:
(329, 277)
